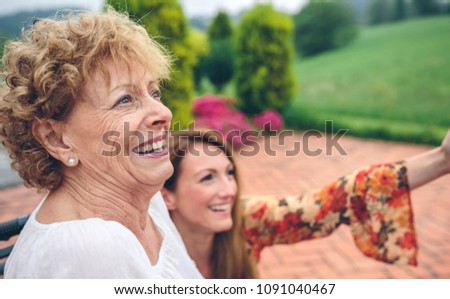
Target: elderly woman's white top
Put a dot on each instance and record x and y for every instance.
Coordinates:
(95, 248)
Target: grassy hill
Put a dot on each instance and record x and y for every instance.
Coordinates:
(393, 82)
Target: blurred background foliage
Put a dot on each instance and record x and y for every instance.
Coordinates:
(264, 77)
(379, 68)
(323, 26)
(218, 65)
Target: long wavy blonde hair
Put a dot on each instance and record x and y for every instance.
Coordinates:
(230, 256)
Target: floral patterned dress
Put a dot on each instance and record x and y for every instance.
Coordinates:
(374, 201)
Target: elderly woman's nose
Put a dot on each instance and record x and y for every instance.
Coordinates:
(158, 115)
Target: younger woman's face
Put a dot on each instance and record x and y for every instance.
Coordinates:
(205, 192)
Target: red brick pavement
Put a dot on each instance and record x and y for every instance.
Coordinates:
(335, 256)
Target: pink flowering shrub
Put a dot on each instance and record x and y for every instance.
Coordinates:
(268, 120)
(210, 106)
(217, 113)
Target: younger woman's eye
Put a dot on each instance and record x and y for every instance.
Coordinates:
(206, 178)
(231, 172)
(123, 100)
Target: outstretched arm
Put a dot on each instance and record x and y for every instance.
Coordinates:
(374, 201)
(430, 165)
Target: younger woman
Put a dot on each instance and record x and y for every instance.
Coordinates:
(225, 233)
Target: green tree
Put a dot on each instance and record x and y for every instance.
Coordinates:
(264, 77)
(399, 10)
(200, 45)
(220, 27)
(165, 21)
(380, 11)
(219, 64)
(426, 7)
(322, 26)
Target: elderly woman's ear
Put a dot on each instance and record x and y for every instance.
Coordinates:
(49, 133)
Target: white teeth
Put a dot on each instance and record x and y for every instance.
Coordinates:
(220, 208)
(156, 147)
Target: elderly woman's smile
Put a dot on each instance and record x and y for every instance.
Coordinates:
(155, 147)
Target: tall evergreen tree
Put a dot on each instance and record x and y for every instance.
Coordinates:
(399, 10)
(264, 77)
(219, 64)
(425, 7)
(200, 45)
(322, 26)
(220, 27)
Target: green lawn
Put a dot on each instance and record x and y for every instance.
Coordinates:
(393, 82)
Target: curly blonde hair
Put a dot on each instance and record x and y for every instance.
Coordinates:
(46, 71)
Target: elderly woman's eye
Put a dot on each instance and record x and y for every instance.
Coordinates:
(123, 100)
(156, 94)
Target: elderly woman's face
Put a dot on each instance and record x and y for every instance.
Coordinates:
(118, 131)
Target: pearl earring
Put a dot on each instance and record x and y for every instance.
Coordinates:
(72, 161)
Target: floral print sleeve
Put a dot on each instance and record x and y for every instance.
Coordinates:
(374, 202)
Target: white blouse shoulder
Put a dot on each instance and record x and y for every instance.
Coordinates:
(95, 248)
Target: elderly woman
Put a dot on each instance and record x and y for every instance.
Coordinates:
(225, 234)
(82, 118)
